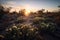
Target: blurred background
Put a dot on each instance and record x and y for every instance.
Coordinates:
(29, 19)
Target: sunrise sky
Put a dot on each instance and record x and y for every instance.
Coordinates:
(31, 4)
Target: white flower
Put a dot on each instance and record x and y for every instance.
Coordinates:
(14, 26)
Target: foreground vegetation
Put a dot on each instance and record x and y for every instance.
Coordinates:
(37, 26)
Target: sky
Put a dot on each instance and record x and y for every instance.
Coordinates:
(31, 4)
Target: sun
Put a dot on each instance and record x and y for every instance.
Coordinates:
(27, 12)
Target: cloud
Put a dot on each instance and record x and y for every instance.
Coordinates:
(8, 3)
(11, 2)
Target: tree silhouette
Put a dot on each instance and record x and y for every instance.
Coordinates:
(59, 8)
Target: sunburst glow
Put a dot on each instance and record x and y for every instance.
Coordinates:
(27, 12)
